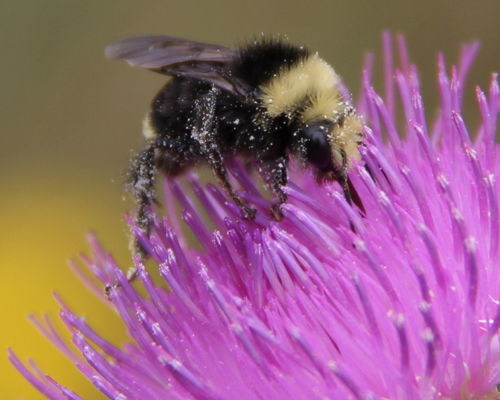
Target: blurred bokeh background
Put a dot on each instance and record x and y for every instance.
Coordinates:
(70, 120)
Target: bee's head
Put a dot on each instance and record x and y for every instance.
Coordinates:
(315, 148)
(329, 146)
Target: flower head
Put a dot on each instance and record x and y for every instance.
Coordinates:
(400, 301)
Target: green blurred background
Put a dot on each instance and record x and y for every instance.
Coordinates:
(70, 119)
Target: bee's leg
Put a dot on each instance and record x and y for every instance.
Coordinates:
(355, 196)
(141, 186)
(343, 180)
(205, 131)
(275, 173)
(350, 193)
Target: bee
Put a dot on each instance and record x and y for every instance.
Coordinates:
(266, 101)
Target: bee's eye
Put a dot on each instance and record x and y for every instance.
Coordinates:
(317, 147)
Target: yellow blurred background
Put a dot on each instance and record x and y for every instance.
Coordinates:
(70, 119)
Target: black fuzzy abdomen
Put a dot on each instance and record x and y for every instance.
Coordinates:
(241, 128)
(174, 113)
(173, 109)
(172, 117)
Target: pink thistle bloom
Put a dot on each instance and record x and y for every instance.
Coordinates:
(408, 307)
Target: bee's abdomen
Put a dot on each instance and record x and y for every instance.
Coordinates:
(172, 117)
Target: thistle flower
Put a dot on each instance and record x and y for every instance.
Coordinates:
(405, 307)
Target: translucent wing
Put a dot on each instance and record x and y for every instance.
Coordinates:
(178, 57)
(155, 52)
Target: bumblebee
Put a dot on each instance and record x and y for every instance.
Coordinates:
(266, 101)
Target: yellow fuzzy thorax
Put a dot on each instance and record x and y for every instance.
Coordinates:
(309, 88)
